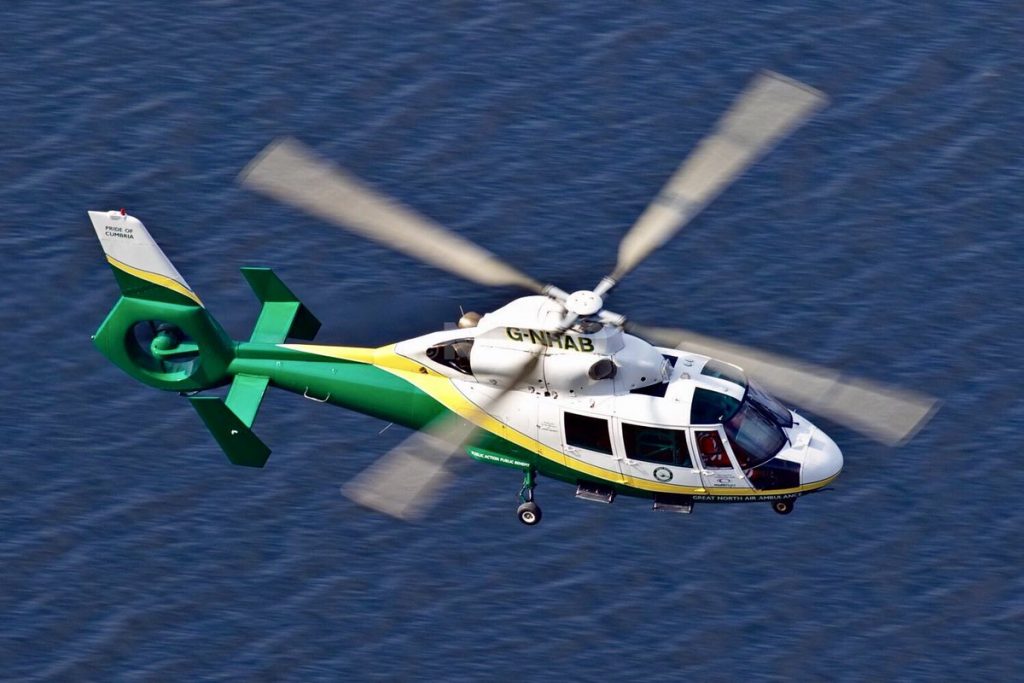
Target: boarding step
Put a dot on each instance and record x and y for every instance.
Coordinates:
(588, 490)
(673, 502)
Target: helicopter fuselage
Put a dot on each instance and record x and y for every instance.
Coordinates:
(650, 422)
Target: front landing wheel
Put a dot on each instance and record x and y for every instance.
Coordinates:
(529, 513)
(783, 507)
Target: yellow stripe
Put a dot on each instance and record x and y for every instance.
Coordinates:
(155, 278)
(746, 491)
(440, 388)
(352, 353)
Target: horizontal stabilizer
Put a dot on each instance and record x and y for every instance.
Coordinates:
(283, 315)
(229, 422)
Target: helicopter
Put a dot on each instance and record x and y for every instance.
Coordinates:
(551, 384)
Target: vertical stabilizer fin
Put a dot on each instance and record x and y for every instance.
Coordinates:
(230, 421)
(282, 315)
(245, 396)
(140, 266)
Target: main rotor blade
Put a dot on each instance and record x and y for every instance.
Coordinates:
(404, 482)
(885, 414)
(290, 172)
(769, 109)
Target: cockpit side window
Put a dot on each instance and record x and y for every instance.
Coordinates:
(591, 433)
(453, 354)
(654, 444)
(712, 454)
(711, 407)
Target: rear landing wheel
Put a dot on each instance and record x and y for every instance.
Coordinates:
(529, 513)
(783, 507)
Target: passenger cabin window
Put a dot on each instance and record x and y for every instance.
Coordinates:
(591, 433)
(712, 454)
(454, 354)
(654, 444)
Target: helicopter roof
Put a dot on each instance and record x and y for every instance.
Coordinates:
(650, 384)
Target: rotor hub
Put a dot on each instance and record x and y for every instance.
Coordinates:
(584, 303)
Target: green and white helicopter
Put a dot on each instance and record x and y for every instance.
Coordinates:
(551, 384)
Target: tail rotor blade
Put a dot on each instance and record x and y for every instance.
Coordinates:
(770, 108)
(886, 414)
(290, 172)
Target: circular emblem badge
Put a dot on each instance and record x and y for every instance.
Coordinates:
(662, 473)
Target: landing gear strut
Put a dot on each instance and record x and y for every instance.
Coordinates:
(529, 511)
(783, 507)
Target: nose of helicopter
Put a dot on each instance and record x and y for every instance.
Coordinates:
(822, 460)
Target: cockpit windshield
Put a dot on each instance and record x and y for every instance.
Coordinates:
(755, 429)
(769, 405)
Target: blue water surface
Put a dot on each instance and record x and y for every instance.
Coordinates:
(883, 239)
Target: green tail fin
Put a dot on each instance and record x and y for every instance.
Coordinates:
(230, 421)
(237, 441)
(282, 315)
